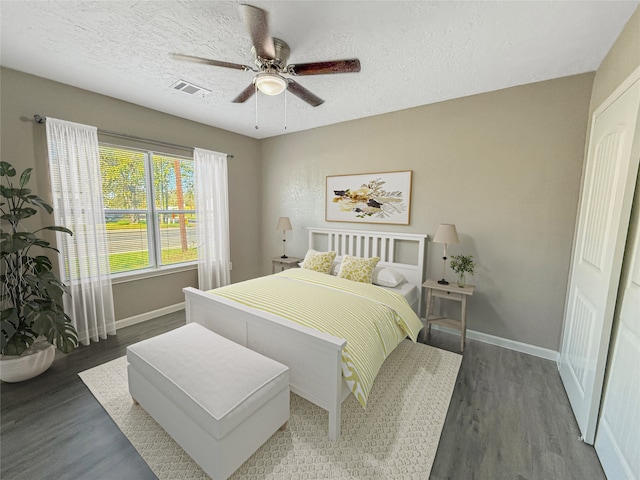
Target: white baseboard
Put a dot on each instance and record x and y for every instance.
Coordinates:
(143, 317)
(504, 343)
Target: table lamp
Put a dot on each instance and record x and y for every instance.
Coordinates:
(284, 224)
(446, 233)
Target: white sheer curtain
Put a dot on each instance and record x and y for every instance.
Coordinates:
(212, 211)
(76, 184)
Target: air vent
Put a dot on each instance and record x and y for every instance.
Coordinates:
(189, 88)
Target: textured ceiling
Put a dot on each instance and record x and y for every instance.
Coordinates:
(412, 52)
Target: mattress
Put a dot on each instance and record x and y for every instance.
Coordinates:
(407, 290)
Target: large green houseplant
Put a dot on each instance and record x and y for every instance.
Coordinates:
(31, 298)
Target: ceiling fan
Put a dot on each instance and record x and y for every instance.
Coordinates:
(271, 57)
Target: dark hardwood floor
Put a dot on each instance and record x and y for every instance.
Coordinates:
(509, 418)
(53, 428)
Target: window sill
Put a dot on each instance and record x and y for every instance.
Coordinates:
(150, 273)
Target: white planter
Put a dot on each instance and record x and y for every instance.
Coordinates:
(36, 360)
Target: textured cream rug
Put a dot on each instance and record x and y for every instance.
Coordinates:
(395, 437)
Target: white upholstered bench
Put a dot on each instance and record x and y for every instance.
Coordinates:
(218, 400)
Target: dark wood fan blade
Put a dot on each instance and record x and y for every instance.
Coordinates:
(301, 92)
(245, 94)
(322, 68)
(206, 61)
(257, 21)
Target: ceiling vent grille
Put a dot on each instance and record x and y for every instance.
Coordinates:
(189, 88)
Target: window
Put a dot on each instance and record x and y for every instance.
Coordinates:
(149, 207)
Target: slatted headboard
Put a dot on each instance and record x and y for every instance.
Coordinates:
(404, 252)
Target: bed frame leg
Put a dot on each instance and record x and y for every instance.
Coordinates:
(334, 423)
(135, 402)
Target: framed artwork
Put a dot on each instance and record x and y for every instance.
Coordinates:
(369, 198)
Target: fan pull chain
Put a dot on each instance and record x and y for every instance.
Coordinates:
(285, 108)
(256, 87)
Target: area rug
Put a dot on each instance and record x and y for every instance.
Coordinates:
(395, 437)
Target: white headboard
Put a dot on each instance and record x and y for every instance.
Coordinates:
(404, 252)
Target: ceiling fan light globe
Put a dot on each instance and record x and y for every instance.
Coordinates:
(270, 83)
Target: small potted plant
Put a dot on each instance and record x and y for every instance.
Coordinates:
(31, 313)
(462, 264)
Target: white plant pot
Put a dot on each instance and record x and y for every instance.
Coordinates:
(36, 360)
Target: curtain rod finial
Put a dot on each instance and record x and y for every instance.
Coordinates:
(38, 119)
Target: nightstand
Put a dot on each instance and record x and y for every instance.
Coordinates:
(448, 292)
(284, 263)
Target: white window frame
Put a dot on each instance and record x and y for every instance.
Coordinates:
(156, 267)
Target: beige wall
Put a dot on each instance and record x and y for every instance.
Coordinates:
(21, 143)
(620, 62)
(503, 166)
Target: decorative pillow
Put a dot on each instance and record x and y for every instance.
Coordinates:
(310, 253)
(387, 277)
(318, 261)
(357, 269)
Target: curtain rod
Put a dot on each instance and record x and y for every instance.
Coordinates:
(41, 119)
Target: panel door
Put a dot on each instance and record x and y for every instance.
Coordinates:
(618, 437)
(607, 194)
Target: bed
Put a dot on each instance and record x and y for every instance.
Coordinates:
(315, 358)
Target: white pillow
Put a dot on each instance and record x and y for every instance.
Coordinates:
(387, 277)
(335, 268)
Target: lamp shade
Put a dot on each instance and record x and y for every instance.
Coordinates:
(446, 233)
(283, 224)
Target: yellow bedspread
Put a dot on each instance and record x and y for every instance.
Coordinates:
(371, 319)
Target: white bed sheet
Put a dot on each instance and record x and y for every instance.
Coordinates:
(407, 290)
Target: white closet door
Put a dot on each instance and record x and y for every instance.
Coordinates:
(618, 438)
(607, 194)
